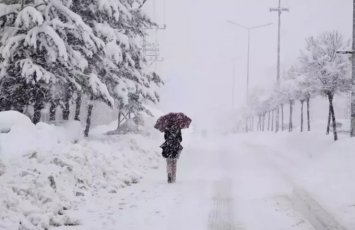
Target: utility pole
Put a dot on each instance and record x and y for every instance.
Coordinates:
(249, 29)
(352, 100)
(279, 10)
(352, 128)
(233, 86)
(233, 80)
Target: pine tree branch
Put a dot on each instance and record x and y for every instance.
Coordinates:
(144, 1)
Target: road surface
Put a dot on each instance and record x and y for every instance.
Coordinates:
(222, 184)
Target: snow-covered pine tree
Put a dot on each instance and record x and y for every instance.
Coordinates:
(45, 48)
(122, 25)
(320, 60)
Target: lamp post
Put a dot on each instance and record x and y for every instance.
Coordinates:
(249, 29)
(234, 73)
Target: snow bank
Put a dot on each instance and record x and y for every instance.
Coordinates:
(9, 119)
(26, 138)
(47, 172)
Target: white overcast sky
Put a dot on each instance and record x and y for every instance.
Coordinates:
(200, 48)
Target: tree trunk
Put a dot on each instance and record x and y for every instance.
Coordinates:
(52, 111)
(272, 120)
(302, 102)
(77, 107)
(264, 115)
(38, 105)
(119, 120)
(2, 105)
(282, 117)
(290, 125)
(66, 110)
(330, 97)
(308, 115)
(277, 119)
(246, 125)
(329, 118)
(268, 121)
(88, 118)
(37, 111)
(258, 123)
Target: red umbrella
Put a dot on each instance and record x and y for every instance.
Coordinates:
(167, 121)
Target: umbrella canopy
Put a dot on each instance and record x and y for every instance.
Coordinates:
(167, 121)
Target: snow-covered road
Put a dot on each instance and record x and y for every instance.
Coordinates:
(224, 183)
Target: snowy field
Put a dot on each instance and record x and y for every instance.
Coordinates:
(253, 181)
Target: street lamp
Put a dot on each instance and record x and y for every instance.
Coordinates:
(249, 29)
(233, 80)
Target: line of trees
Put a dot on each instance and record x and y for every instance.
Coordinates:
(320, 71)
(57, 53)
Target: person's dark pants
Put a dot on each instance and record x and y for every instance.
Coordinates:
(171, 169)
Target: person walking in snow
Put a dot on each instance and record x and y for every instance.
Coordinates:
(171, 151)
(171, 125)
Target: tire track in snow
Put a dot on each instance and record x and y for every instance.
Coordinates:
(221, 216)
(302, 201)
(314, 212)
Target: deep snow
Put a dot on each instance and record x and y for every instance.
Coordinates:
(251, 181)
(240, 182)
(48, 172)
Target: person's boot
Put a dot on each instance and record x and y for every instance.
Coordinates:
(173, 177)
(170, 178)
(174, 173)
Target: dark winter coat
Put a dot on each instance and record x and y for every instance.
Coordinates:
(172, 147)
